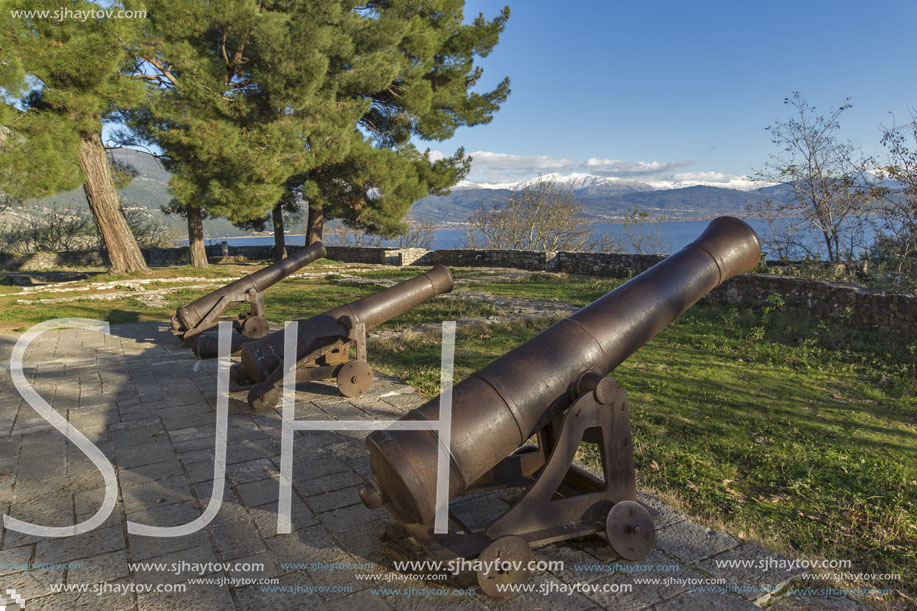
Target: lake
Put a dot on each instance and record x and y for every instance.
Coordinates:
(672, 235)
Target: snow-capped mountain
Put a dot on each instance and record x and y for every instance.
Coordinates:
(590, 183)
(603, 197)
(593, 185)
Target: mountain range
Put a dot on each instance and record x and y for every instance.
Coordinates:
(148, 192)
(603, 198)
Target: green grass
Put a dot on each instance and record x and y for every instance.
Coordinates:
(393, 273)
(290, 299)
(578, 291)
(415, 358)
(794, 433)
(786, 430)
(20, 316)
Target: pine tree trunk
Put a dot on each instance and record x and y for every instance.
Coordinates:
(280, 249)
(196, 250)
(124, 254)
(314, 228)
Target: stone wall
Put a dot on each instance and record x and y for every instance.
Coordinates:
(404, 256)
(216, 253)
(587, 263)
(357, 254)
(468, 257)
(604, 264)
(888, 312)
(594, 264)
(163, 257)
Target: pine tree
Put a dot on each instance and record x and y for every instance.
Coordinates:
(416, 81)
(318, 100)
(62, 78)
(227, 79)
(288, 205)
(372, 188)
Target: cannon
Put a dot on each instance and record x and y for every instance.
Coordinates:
(194, 318)
(324, 342)
(554, 386)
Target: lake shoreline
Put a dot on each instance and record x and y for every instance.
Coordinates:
(451, 226)
(663, 236)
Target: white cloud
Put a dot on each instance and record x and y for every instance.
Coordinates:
(489, 167)
(519, 164)
(630, 169)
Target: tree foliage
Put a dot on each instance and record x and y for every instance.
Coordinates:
(56, 79)
(249, 100)
(59, 79)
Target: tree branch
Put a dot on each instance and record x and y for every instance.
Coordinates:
(162, 69)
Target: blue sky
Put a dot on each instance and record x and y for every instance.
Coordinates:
(681, 88)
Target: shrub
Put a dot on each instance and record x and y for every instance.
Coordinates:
(58, 229)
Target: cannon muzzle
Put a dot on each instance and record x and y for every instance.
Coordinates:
(498, 408)
(202, 313)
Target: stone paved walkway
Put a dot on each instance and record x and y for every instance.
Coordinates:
(149, 406)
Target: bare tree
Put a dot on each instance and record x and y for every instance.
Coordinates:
(786, 238)
(149, 228)
(58, 229)
(420, 235)
(824, 176)
(640, 236)
(898, 204)
(539, 217)
(54, 229)
(345, 236)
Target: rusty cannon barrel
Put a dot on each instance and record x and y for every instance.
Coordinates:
(202, 313)
(262, 357)
(496, 409)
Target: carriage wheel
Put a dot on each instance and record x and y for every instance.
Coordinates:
(255, 327)
(630, 530)
(354, 378)
(508, 559)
